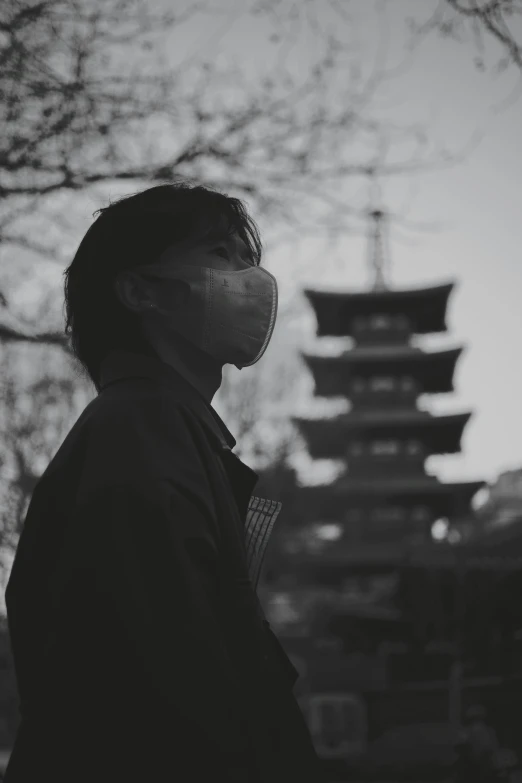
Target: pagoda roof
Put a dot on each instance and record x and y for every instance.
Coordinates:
(424, 307)
(327, 501)
(328, 438)
(433, 370)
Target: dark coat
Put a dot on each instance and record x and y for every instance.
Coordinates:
(140, 648)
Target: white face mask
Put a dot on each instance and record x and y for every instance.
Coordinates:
(230, 314)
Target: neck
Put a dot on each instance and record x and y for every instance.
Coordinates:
(203, 372)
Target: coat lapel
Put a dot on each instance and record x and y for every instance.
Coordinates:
(257, 515)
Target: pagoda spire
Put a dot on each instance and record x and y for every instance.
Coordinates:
(377, 255)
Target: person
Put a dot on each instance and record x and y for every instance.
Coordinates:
(141, 650)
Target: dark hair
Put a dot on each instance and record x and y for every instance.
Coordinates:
(132, 231)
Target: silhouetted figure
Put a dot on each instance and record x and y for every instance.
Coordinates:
(141, 650)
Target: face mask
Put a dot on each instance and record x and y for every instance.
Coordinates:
(230, 314)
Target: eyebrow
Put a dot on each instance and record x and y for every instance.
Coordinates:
(217, 236)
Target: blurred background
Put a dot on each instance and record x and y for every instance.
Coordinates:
(378, 146)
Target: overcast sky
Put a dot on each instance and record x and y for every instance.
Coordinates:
(477, 205)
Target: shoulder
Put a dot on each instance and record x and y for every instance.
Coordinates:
(139, 412)
(142, 434)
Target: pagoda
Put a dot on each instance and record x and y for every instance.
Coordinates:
(364, 608)
(385, 498)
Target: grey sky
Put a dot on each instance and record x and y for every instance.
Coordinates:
(478, 243)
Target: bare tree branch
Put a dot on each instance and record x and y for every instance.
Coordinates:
(490, 18)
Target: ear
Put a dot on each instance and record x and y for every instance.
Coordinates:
(131, 291)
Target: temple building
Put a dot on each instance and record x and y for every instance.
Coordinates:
(386, 496)
(385, 499)
(345, 606)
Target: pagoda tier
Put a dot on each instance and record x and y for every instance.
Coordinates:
(337, 312)
(338, 501)
(331, 438)
(431, 371)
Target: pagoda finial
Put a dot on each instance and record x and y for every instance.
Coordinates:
(376, 249)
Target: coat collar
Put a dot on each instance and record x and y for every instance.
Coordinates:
(121, 365)
(259, 514)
